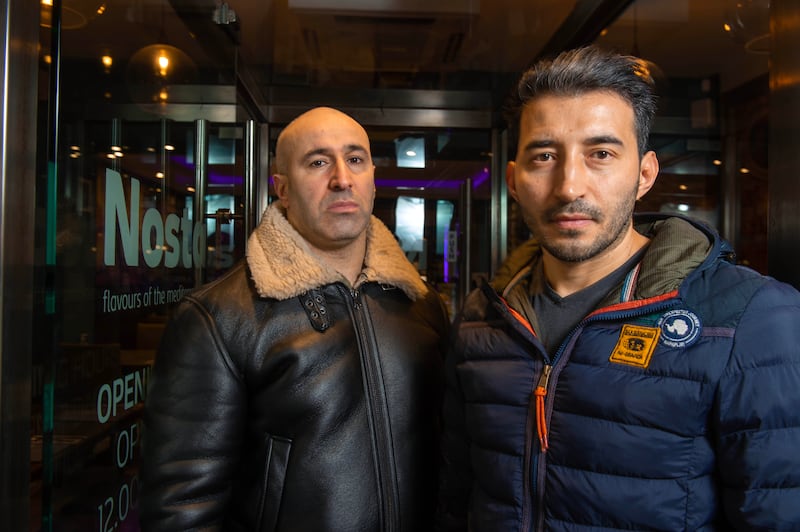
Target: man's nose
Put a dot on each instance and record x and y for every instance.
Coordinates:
(341, 178)
(571, 179)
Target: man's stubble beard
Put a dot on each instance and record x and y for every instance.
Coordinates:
(573, 251)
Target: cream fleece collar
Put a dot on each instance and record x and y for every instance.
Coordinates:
(284, 266)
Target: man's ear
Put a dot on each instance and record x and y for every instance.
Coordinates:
(281, 184)
(511, 182)
(648, 171)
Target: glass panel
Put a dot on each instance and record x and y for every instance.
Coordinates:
(433, 186)
(121, 240)
(225, 199)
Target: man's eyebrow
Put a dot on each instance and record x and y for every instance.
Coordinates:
(603, 139)
(539, 143)
(316, 151)
(355, 147)
(349, 148)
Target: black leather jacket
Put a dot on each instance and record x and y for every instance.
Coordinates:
(312, 412)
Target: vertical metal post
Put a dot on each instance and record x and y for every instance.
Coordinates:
(499, 205)
(466, 256)
(200, 184)
(250, 173)
(50, 320)
(19, 27)
(162, 164)
(731, 187)
(265, 162)
(116, 142)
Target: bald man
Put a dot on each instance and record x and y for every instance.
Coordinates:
(301, 390)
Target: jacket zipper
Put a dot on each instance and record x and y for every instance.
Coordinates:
(541, 421)
(545, 408)
(377, 414)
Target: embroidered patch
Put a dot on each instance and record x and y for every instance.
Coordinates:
(679, 328)
(635, 345)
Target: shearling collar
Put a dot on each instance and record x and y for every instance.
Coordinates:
(284, 266)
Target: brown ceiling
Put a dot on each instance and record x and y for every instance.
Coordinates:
(389, 43)
(431, 44)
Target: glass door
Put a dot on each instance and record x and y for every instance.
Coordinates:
(139, 222)
(143, 195)
(434, 193)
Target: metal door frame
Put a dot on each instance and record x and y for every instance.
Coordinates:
(20, 30)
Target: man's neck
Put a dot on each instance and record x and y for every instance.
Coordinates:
(566, 278)
(349, 261)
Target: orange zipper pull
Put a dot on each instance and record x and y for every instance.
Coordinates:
(541, 420)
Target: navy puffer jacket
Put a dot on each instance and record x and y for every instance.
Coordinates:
(673, 406)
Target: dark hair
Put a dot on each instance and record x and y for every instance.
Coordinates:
(589, 69)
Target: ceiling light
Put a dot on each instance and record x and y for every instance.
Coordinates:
(747, 23)
(153, 68)
(410, 151)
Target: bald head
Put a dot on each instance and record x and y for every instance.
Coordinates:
(325, 181)
(316, 121)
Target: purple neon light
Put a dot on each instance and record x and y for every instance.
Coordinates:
(477, 181)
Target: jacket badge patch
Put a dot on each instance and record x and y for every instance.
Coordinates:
(635, 345)
(679, 328)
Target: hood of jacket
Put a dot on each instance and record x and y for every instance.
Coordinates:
(678, 247)
(283, 265)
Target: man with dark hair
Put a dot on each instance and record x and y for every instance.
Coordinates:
(301, 390)
(620, 371)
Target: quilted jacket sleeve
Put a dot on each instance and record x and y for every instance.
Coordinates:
(759, 414)
(193, 427)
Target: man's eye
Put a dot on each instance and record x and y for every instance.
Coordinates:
(602, 154)
(317, 163)
(355, 160)
(544, 157)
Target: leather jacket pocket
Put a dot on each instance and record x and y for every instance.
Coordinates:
(276, 461)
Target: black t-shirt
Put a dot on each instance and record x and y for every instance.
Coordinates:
(556, 316)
